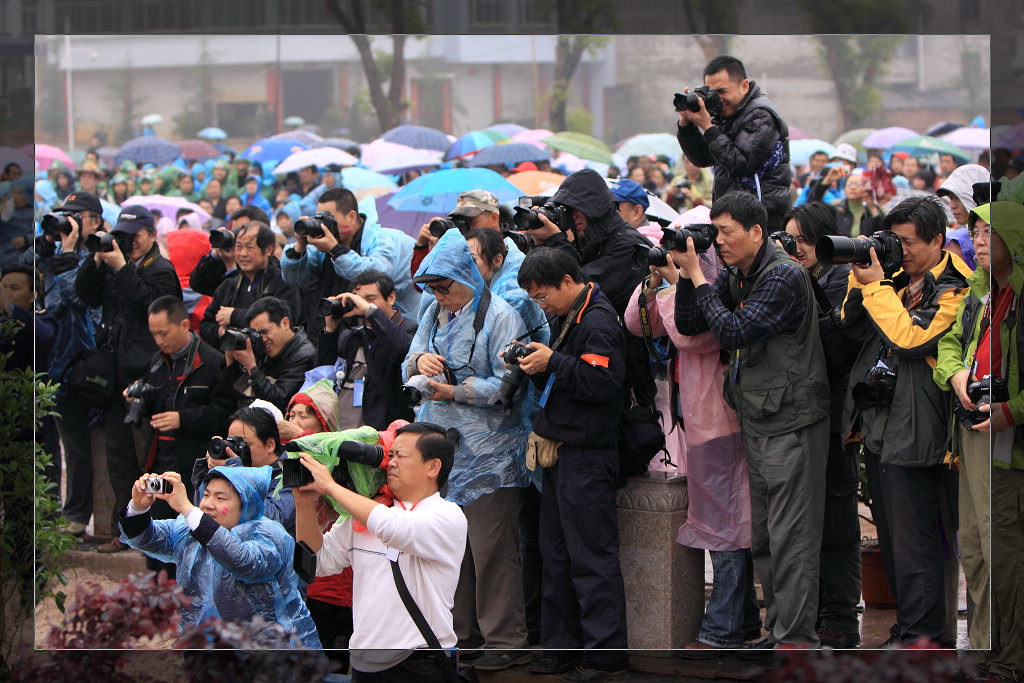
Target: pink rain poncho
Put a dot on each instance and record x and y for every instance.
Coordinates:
(710, 443)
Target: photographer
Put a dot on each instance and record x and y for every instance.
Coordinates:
(475, 209)
(373, 351)
(258, 274)
(284, 358)
(212, 268)
(232, 562)
(761, 309)
(746, 141)
(900, 416)
(986, 437)
(581, 376)
(426, 535)
(350, 241)
(125, 281)
(457, 347)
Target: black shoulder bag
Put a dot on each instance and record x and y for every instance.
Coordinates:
(91, 375)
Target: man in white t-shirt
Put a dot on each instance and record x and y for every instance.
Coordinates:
(428, 534)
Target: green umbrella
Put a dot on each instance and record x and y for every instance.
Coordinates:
(584, 146)
(926, 145)
(854, 137)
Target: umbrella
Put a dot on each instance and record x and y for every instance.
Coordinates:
(308, 138)
(797, 134)
(381, 155)
(340, 143)
(884, 138)
(47, 154)
(472, 142)
(657, 210)
(408, 222)
(647, 144)
(970, 138)
(420, 137)
(361, 178)
(107, 155)
(224, 149)
(273, 149)
(800, 151)
(578, 144)
(148, 149)
(508, 129)
(212, 133)
(319, 157)
(440, 190)
(110, 211)
(9, 155)
(198, 150)
(533, 136)
(1010, 137)
(294, 121)
(536, 182)
(151, 119)
(925, 145)
(509, 154)
(854, 137)
(570, 163)
(940, 129)
(168, 206)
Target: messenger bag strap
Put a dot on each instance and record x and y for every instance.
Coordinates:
(420, 620)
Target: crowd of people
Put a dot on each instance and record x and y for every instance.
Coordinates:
(464, 405)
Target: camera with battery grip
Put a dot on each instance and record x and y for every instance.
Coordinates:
(529, 210)
(982, 392)
(514, 377)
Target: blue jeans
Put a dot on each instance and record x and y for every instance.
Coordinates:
(732, 615)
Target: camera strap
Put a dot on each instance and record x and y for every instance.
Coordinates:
(574, 315)
(645, 322)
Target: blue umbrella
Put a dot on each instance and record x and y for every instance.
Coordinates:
(440, 190)
(419, 137)
(408, 222)
(509, 154)
(110, 212)
(211, 133)
(361, 178)
(472, 142)
(273, 149)
(800, 151)
(148, 149)
(223, 149)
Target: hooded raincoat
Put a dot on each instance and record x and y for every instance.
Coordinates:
(960, 184)
(257, 200)
(232, 573)
(491, 454)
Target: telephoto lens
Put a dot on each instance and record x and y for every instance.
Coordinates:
(222, 239)
(703, 235)
(834, 249)
(335, 309)
(100, 241)
(309, 227)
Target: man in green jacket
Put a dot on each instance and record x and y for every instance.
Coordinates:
(968, 353)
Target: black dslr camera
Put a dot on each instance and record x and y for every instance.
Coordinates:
(440, 226)
(876, 389)
(237, 444)
(833, 249)
(787, 241)
(335, 309)
(222, 238)
(315, 226)
(144, 394)
(983, 392)
(104, 242)
(646, 256)
(295, 474)
(529, 209)
(691, 101)
(513, 378)
(55, 225)
(703, 235)
(234, 339)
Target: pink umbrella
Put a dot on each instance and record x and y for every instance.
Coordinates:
(533, 136)
(797, 134)
(168, 206)
(969, 138)
(884, 138)
(46, 154)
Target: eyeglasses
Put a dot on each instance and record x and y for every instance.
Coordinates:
(541, 299)
(440, 289)
(986, 233)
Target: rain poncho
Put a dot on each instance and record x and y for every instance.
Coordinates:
(491, 453)
(238, 572)
(290, 209)
(257, 200)
(961, 183)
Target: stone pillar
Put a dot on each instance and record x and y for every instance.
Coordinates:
(102, 493)
(664, 580)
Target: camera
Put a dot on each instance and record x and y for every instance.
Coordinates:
(983, 392)
(371, 455)
(788, 241)
(104, 242)
(44, 248)
(315, 226)
(295, 474)
(442, 225)
(513, 378)
(691, 101)
(417, 390)
(234, 339)
(650, 256)
(222, 238)
(336, 309)
(158, 485)
(144, 395)
(55, 225)
(523, 242)
(237, 444)
(833, 249)
(703, 235)
(876, 389)
(529, 209)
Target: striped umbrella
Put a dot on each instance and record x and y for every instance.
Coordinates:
(508, 154)
(197, 150)
(420, 137)
(148, 149)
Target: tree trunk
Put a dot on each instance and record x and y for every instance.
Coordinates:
(835, 68)
(568, 54)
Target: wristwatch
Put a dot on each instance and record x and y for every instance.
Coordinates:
(370, 310)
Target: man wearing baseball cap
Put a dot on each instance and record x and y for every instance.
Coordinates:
(125, 281)
(479, 206)
(632, 200)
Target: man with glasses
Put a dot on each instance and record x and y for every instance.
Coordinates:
(275, 370)
(258, 275)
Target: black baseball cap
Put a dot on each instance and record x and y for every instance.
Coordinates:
(133, 218)
(81, 201)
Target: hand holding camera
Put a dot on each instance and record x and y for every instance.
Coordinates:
(430, 364)
(166, 486)
(69, 241)
(868, 274)
(426, 237)
(110, 248)
(322, 479)
(318, 230)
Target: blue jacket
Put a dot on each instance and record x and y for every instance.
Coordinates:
(76, 322)
(257, 200)
(233, 573)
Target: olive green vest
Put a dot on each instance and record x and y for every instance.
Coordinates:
(779, 384)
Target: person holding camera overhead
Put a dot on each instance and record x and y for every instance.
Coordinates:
(257, 275)
(910, 292)
(125, 274)
(761, 309)
(455, 354)
(730, 124)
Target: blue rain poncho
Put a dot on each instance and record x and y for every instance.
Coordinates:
(491, 453)
(239, 572)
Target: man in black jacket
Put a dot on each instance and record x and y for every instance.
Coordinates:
(211, 270)
(373, 352)
(283, 361)
(125, 282)
(748, 144)
(580, 378)
(258, 274)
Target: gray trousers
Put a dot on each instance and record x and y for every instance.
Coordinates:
(787, 505)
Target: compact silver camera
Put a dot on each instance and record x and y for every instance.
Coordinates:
(158, 485)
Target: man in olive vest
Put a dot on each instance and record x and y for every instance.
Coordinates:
(761, 309)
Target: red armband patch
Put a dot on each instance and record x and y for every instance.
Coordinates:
(595, 360)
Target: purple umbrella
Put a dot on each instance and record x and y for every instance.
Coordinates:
(884, 138)
(408, 222)
(148, 149)
(168, 206)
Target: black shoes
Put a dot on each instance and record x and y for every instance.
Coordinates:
(838, 640)
(555, 664)
(499, 661)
